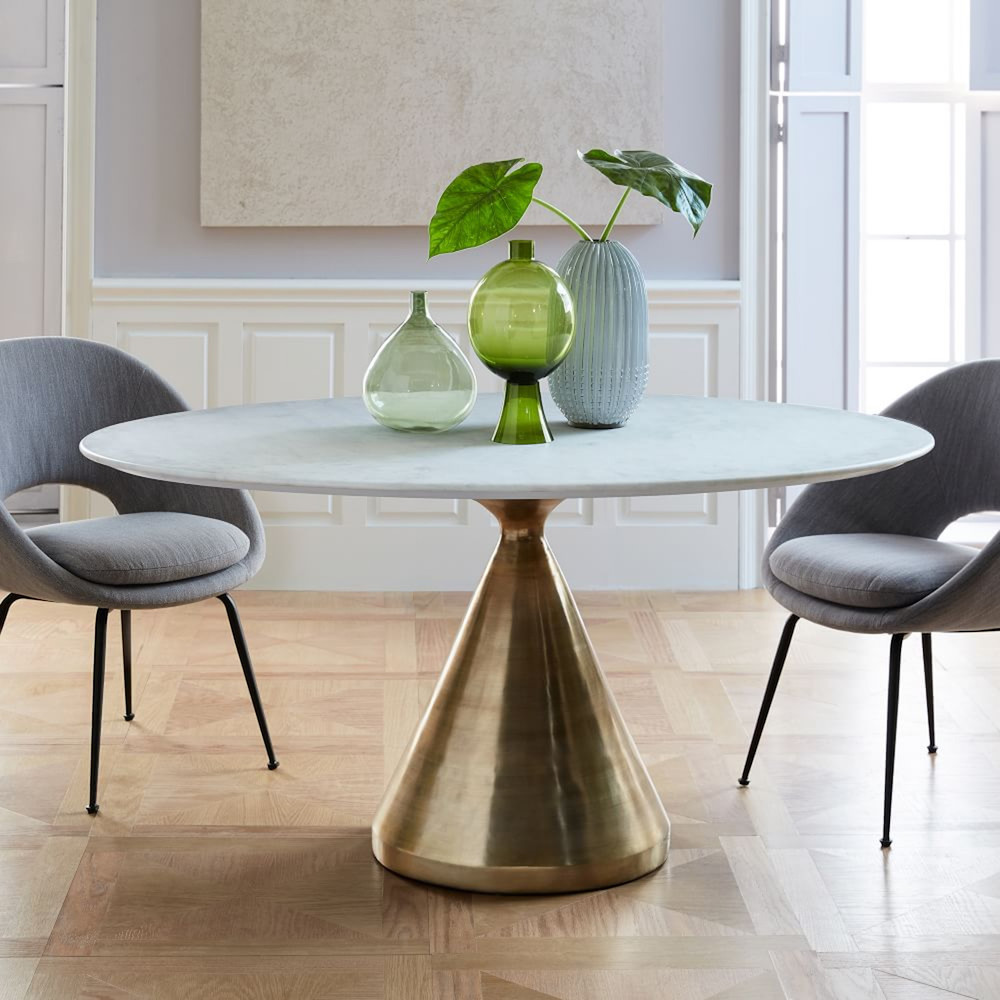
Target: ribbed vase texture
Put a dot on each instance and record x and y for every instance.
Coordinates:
(604, 375)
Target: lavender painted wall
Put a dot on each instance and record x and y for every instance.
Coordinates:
(148, 54)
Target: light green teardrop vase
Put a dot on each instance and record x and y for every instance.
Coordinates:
(419, 380)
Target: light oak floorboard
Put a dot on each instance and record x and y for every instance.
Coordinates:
(206, 876)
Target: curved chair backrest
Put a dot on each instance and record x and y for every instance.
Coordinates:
(56, 390)
(53, 392)
(959, 476)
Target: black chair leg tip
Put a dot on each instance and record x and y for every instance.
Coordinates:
(93, 810)
(932, 749)
(885, 843)
(744, 782)
(272, 764)
(130, 716)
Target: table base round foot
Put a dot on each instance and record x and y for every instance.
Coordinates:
(522, 776)
(523, 880)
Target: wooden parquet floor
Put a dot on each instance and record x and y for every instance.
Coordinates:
(205, 876)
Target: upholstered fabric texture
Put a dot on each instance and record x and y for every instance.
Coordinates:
(131, 549)
(959, 476)
(866, 570)
(53, 392)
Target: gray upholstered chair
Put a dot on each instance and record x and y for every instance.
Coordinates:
(168, 545)
(862, 555)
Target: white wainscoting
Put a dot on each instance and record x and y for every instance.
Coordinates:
(223, 343)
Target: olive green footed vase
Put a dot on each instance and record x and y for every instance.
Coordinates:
(521, 324)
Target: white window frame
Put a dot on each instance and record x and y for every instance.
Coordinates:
(960, 100)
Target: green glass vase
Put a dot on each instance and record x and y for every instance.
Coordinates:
(521, 325)
(419, 380)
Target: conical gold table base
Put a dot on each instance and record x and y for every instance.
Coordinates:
(521, 776)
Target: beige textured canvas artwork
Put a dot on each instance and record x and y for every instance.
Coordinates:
(359, 112)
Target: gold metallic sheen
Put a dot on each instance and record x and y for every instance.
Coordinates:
(521, 776)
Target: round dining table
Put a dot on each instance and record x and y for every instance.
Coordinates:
(521, 777)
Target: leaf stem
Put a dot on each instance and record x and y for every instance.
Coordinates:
(611, 222)
(584, 235)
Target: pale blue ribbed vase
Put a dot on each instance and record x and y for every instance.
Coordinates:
(604, 375)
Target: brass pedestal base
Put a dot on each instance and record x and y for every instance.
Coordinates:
(521, 777)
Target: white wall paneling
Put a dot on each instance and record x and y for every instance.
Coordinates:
(755, 241)
(821, 251)
(821, 286)
(984, 57)
(35, 506)
(224, 343)
(30, 211)
(32, 36)
(32, 39)
(184, 353)
(294, 361)
(824, 45)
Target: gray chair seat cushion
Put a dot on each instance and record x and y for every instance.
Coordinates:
(868, 570)
(141, 549)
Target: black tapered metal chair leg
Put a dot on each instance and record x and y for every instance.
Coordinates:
(244, 654)
(772, 685)
(127, 662)
(925, 641)
(5, 607)
(892, 715)
(97, 705)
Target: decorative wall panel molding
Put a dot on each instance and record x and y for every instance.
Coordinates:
(31, 177)
(822, 281)
(225, 343)
(32, 42)
(310, 117)
(824, 45)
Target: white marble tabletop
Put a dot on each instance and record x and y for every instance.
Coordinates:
(673, 444)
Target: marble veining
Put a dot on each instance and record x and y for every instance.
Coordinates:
(672, 445)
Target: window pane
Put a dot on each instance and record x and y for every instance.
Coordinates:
(907, 300)
(960, 48)
(883, 385)
(907, 169)
(907, 41)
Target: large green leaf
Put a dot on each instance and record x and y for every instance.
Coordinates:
(481, 203)
(656, 176)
